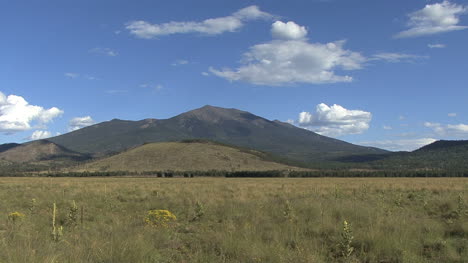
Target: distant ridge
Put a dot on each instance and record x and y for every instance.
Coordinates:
(231, 126)
(443, 144)
(443, 155)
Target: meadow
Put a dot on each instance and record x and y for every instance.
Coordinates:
(233, 219)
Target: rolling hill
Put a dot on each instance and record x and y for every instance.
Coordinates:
(230, 126)
(39, 151)
(185, 156)
(442, 155)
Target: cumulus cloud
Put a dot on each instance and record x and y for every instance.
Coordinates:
(288, 31)
(397, 57)
(289, 61)
(335, 120)
(104, 51)
(80, 122)
(386, 127)
(434, 19)
(436, 46)
(455, 130)
(399, 145)
(16, 114)
(38, 135)
(212, 26)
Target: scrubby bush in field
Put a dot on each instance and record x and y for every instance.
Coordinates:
(57, 231)
(347, 237)
(32, 206)
(73, 214)
(199, 211)
(288, 212)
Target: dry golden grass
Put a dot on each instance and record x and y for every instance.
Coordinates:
(236, 220)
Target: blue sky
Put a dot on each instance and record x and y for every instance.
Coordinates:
(390, 74)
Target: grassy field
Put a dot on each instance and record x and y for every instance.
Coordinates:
(234, 220)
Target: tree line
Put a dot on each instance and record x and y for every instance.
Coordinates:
(248, 174)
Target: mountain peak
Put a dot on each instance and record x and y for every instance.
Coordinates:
(212, 108)
(215, 114)
(207, 106)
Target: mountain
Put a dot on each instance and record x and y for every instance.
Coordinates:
(443, 155)
(8, 146)
(229, 126)
(185, 156)
(37, 151)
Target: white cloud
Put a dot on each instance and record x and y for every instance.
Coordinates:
(251, 13)
(80, 122)
(104, 51)
(434, 19)
(456, 130)
(285, 62)
(288, 31)
(115, 91)
(158, 87)
(396, 57)
(452, 114)
(399, 145)
(72, 75)
(77, 75)
(180, 62)
(48, 115)
(436, 46)
(335, 120)
(38, 135)
(89, 77)
(16, 114)
(385, 127)
(212, 26)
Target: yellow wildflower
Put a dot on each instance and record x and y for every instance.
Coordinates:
(16, 216)
(160, 218)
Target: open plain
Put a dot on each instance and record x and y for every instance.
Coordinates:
(234, 219)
